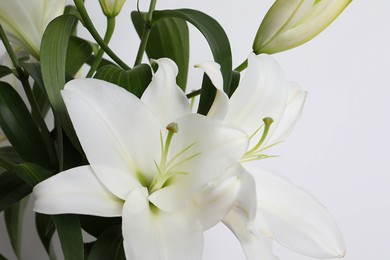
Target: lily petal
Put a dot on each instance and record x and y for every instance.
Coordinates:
(215, 146)
(203, 150)
(24, 21)
(118, 133)
(76, 191)
(217, 198)
(150, 233)
(172, 197)
(291, 115)
(261, 93)
(219, 107)
(256, 245)
(295, 218)
(240, 220)
(163, 95)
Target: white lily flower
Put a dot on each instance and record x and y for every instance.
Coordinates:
(169, 181)
(24, 21)
(285, 213)
(111, 8)
(290, 23)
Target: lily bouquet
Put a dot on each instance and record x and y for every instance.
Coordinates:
(131, 157)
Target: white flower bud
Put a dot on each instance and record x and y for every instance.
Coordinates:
(290, 23)
(111, 8)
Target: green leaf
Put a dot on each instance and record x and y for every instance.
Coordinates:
(31, 174)
(4, 71)
(41, 98)
(135, 80)
(212, 31)
(208, 92)
(207, 95)
(235, 81)
(45, 228)
(9, 153)
(34, 70)
(169, 38)
(8, 158)
(53, 59)
(69, 232)
(13, 217)
(109, 245)
(78, 53)
(12, 189)
(3, 257)
(95, 226)
(20, 128)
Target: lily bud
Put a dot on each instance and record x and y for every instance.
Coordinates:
(24, 21)
(111, 8)
(290, 23)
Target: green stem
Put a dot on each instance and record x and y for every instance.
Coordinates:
(194, 93)
(107, 38)
(86, 20)
(145, 33)
(35, 111)
(242, 66)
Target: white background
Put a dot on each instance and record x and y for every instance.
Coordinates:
(339, 151)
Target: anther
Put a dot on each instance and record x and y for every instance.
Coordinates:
(173, 127)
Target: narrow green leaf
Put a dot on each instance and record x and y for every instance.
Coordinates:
(34, 70)
(53, 59)
(45, 228)
(69, 232)
(3, 257)
(212, 31)
(235, 81)
(207, 95)
(31, 174)
(135, 80)
(169, 38)
(78, 52)
(12, 189)
(71, 157)
(95, 226)
(41, 98)
(13, 217)
(8, 158)
(208, 92)
(109, 245)
(4, 71)
(20, 128)
(9, 153)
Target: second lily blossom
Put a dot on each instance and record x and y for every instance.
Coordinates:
(267, 107)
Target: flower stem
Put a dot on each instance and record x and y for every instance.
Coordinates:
(242, 66)
(145, 33)
(194, 93)
(86, 20)
(35, 111)
(107, 38)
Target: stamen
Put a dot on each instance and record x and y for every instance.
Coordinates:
(172, 128)
(267, 123)
(254, 153)
(167, 169)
